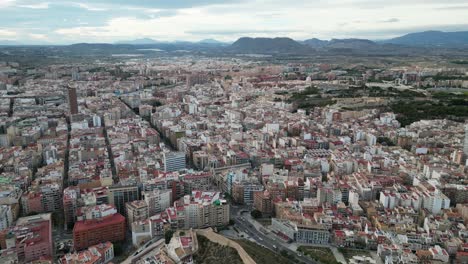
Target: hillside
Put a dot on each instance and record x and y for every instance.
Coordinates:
(433, 39)
(268, 46)
(212, 253)
(315, 42)
(351, 44)
(263, 255)
(340, 43)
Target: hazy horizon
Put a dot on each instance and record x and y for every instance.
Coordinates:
(105, 21)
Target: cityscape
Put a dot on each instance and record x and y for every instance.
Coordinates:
(260, 148)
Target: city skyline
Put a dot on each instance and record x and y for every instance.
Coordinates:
(66, 22)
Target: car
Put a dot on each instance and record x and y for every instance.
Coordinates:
(299, 254)
(261, 239)
(274, 246)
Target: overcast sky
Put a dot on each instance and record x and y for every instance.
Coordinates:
(71, 21)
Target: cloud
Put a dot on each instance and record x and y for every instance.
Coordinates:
(391, 20)
(7, 34)
(38, 36)
(90, 7)
(226, 20)
(453, 7)
(241, 31)
(43, 5)
(6, 3)
(168, 4)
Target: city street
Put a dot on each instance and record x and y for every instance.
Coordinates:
(244, 223)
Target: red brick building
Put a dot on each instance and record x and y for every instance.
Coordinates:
(30, 239)
(94, 231)
(263, 202)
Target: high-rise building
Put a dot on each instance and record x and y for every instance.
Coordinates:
(30, 239)
(73, 100)
(174, 161)
(6, 217)
(119, 195)
(194, 79)
(465, 143)
(44, 199)
(70, 204)
(263, 203)
(243, 192)
(157, 200)
(136, 211)
(102, 223)
(204, 209)
(197, 182)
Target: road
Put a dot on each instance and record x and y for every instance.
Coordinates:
(242, 224)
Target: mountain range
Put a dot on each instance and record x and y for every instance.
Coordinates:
(149, 41)
(427, 39)
(406, 44)
(432, 38)
(267, 45)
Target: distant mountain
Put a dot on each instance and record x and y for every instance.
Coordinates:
(210, 41)
(432, 39)
(315, 42)
(143, 41)
(351, 44)
(95, 45)
(9, 43)
(340, 43)
(268, 46)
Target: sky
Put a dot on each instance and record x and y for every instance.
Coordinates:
(109, 21)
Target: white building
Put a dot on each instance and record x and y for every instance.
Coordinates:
(157, 200)
(97, 121)
(388, 200)
(371, 140)
(174, 161)
(439, 254)
(435, 201)
(6, 217)
(465, 143)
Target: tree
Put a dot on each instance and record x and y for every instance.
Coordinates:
(256, 214)
(118, 249)
(324, 177)
(168, 236)
(156, 103)
(385, 141)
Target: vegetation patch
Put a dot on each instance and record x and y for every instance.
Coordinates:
(454, 107)
(321, 254)
(213, 253)
(263, 255)
(349, 253)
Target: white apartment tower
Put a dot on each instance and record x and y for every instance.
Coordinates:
(174, 161)
(465, 143)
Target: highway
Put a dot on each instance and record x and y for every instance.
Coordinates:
(269, 241)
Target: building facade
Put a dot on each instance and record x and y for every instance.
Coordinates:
(119, 195)
(174, 161)
(98, 230)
